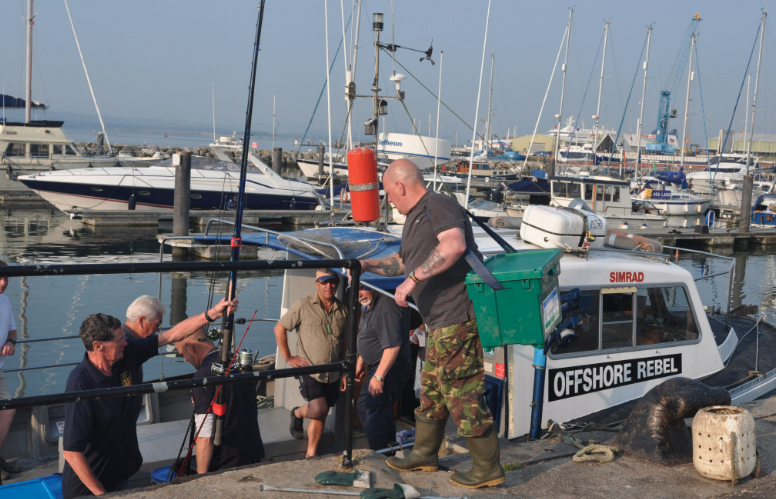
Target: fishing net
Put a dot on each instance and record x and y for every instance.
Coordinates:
(319, 242)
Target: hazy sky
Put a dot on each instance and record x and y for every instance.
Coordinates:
(156, 60)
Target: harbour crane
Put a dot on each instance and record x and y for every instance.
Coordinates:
(665, 111)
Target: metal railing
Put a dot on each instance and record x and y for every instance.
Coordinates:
(346, 366)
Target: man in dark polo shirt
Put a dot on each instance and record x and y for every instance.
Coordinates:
(320, 321)
(100, 441)
(384, 355)
(241, 442)
(435, 237)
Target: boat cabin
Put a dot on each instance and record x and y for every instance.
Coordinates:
(37, 140)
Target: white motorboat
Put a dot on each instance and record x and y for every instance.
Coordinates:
(421, 150)
(214, 185)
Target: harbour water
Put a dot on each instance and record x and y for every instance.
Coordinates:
(55, 306)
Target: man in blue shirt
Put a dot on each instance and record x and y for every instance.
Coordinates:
(100, 441)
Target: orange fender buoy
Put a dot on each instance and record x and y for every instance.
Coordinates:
(363, 184)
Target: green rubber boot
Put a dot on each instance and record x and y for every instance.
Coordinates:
(429, 434)
(486, 470)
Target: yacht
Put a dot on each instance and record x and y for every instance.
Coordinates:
(214, 185)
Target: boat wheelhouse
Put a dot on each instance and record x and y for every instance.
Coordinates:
(606, 197)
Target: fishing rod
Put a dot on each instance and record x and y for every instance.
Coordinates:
(227, 325)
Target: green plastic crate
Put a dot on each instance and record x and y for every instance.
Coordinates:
(528, 309)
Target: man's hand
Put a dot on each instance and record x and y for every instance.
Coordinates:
(297, 362)
(8, 349)
(360, 369)
(403, 291)
(224, 304)
(375, 387)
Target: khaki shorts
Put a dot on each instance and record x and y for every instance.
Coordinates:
(5, 393)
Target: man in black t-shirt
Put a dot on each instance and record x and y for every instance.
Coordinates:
(436, 237)
(384, 356)
(100, 440)
(241, 442)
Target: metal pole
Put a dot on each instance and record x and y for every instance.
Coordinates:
(600, 89)
(328, 106)
(643, 94)
(562, 94)
(490, 98)
(273, 129)
(746, 192)
(687, 101)
(182, 201)
(355, 278)
(477, 111)
(227, 325)
(345, 60)
(730, 294)
(88, 80)
(539, 364)
(28, 89)
(439, 103)
(321, 154)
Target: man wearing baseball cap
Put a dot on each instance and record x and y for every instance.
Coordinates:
(320, 321)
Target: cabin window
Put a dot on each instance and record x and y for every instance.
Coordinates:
(16, 150)
(616, 194)
(144, 193)
(588, 330)
(575, 190)
(616, 320)
(70, 151)
(39, 150)
(56, 149)
(560, 189)
(664, 316)
(588, 192)
(599, 192)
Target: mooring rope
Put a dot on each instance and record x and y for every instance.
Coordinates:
(589, 450)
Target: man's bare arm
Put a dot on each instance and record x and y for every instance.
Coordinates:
(281, 338)
(389, 266)
(452, 245)
(187, 327)
(77, 461)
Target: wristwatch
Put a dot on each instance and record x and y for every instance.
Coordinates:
(378, 378)
(208, 318)
(412, 276)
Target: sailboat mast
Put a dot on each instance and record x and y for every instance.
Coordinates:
(563, 88)
(213, 100)
(345, 59)
(600, 88)
(746, 120)
(490, 98)
(273, 122)
(439, 103)
(643, 94)
(754, 96)
(687, 100)
(328, 103)
(28, 90)
(88, 80)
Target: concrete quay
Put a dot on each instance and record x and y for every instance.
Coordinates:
(715, 238)
(544, 470)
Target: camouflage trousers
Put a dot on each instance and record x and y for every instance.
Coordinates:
(453, 379)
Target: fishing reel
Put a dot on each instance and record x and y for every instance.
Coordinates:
(218, 369)
(245, 360)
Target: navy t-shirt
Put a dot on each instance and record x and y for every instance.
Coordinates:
(384, 325)
(241, 440)
(105, 430)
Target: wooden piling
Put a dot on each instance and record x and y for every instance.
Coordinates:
(182, 201)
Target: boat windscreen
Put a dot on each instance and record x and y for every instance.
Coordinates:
(349, 246)
(202, 163)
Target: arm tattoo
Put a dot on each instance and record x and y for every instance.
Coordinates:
(433, 262)
(390, 267)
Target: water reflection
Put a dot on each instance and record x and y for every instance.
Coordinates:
(56, 305)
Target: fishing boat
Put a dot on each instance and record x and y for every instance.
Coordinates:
(214, 185)
(606, 197)
(480, 170)
(671, 201)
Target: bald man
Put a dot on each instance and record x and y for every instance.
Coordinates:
(436, 234)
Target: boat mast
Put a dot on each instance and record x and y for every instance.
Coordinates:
(477, 112)
(213, 100)
(88, 80)
(439, 103)
(227, 325)
(690, 75)
(345, 59)
(273, 123)
(563, 89)
(754, 96)
(746, 120)
(28, 90)
(328, 103)
(600, 88)
(643, 94)
(490, 98)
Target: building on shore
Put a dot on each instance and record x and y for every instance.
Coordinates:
(540, 143)
(763, 144)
